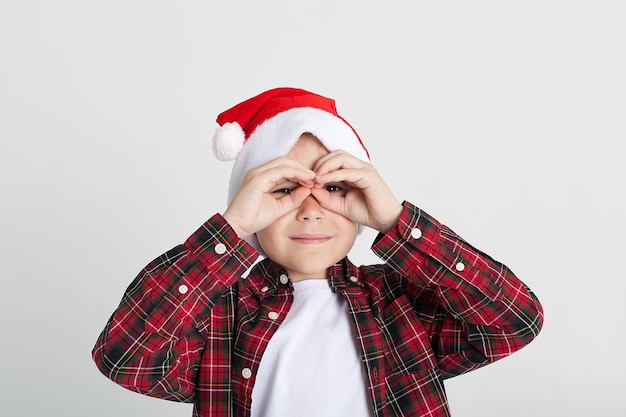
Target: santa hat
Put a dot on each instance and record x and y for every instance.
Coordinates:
(268, 126)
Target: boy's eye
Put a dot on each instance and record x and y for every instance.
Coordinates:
(335, 188)
(284, 188)
(283, 191)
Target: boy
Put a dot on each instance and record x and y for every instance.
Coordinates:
(306, 332)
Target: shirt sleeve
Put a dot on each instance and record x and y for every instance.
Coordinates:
(474, 308)
(153, 342)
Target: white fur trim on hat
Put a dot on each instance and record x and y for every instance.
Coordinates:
(228, 141)
(276, 136)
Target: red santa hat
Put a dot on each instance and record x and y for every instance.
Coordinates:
(267, 126)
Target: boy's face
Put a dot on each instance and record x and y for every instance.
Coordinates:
(309, 239)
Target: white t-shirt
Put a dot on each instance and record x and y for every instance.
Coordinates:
(312, 366)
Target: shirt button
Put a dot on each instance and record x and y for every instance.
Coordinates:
(460, 266)
(183, 289)
(273, 315)
(246, 373)
(264, 289)
(284, 279)
(353, 278)
(416, 233)
(220, 248)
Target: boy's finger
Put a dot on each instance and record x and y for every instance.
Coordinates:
(337, 160)
(275, 175)
(278, 162)
(293, 200)
(357, 178)
(326, 201)
(298, 195)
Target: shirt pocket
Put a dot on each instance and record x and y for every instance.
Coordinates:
(407, 345)
(416, 394)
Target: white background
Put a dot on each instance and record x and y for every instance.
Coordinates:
(504, 119)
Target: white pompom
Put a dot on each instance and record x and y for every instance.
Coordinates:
(228, 141)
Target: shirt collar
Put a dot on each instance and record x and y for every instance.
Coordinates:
(267, 277)
(343, 275)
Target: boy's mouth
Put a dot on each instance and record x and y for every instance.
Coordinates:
(310, 239)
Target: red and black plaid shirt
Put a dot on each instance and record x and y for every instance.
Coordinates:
(190, 329)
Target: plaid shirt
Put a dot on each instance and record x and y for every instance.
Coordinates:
(190, 329)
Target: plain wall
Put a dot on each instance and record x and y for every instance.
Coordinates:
(503, 119)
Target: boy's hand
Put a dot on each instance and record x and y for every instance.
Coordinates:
(258, 201)
(367, 201)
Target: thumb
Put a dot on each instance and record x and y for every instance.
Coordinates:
(294, 199)
(325, 200)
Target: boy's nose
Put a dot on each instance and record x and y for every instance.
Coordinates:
(310, 210)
